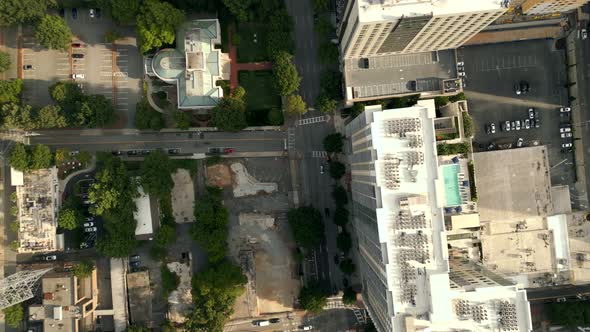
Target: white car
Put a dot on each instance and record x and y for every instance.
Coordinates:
(461, 73)
(527, 124)
(89, 224)
(566, 135)
(90, 229)
(92, 13)
(531, 113)
(460, 63)
(565, 130)
(565, 110)
(307, 328)
(566, 145)
(517, 124)
(76, 76)
(507, 125)
(519, 142)
(51, 258)
(584, 34)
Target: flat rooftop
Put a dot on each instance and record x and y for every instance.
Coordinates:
(506, 180)
(399, 74)
(380, 10)
(140, 303)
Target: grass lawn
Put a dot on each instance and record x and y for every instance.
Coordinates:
(261, 96)
(251, 46)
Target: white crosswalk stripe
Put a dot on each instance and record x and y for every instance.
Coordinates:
(319, 154)
(316, 119)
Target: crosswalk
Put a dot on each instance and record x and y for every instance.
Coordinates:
(321, 118)
(319, 154)
(291, 138)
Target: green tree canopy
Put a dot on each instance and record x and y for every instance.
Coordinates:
(275, 117)
(341, 216)
(331, 83)
(83, 269)
(182, 120)
(41, 157)
(10, 91)
(326, 104)
(210, 227)
(344, 242)
(347, 266)
(19, 157)
(69, 218)
(148, 118)
(340, 196)
(313, 298)
(170, 280)
(5, 62)
(230, 114)
(23, 11)
(295, 105)
(214, 291)
(137, 328)
(337, 169)
(239, 8)
(66, 92)
(124, 11)
(155, 174)
(334, 143)
(51, 116)
(307, 226)
(157, 23)
(14, 315)
(18, 116)
(328, 53)
(62, 155)
(53, 32)
(279, 38)
(569, 313)
(286, 77)
(349, 296)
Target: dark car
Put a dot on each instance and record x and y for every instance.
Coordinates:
(134, 257)
(77, 45)
(274, 320)
(336, 259)
(327, 212)
(145, 152)
(74, 13)
(135, 264)
(214, 150)
(28, 67)
(77, 55)
(173, 151)
(116, 153)
(131, 152)
(62, 13)
(97, 12)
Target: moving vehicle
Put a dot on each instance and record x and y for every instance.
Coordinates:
(90, 229)
(89, 224)
(78, 56)
(75, 76)
(531, 113)
(565, 110)
(519, 142)
(50, 258)
(261, 323)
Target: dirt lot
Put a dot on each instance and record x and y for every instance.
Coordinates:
(183, 196)
(219, 176)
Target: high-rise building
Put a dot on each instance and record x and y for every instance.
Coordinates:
(385, 27)
(540, 7)
(412, 279)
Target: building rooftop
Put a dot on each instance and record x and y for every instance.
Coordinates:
(411, 228)
(140, 304)
(143, 214)
(37, 201)
(195, 65)
(383, 10)
(509, 177)
(399, 74)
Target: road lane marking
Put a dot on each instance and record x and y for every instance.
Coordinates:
(156, 141)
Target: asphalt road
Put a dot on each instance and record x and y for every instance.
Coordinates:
(188, 142)
(550, 293)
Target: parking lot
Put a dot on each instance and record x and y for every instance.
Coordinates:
(112, 70)
(493, 73)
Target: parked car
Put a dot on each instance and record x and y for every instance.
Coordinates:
(517, 122)
(527, 123)
(566, 135)
(89, 218)
(131, 152)
(521, 88)
(537, 123)
(565, 110)
(77, 55)
(77, 76)
(584, 34)
(28, 67)
(134, 257)
(561, 299)
(506, 125)
(307, 327)
(173, 151)
(89, 224)
(566, 145)
(145, 152)
(135, 264)
(263, 322)
(274, 320)
(531, 113)
(77, 45)
(90, 229)
(321, 169)
(536, 113)
(229, 150)
(74, 13)
(98, 14)
(460, 63)
(519, 142)
(565, 129)
(91, 13)
(50, 258)
(116, 153)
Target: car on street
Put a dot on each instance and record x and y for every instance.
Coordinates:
(28, 67)
(491, 128)
(77, 76)
(519, 142)
(565, 110)
(321, 169)
(89, 224)
(50, 258)
(336, 259)
(77, 55)
(135, 264)
(306, 327)
(462, 73)
(537, 123)
(116, 153)
(274, 320)
(214, 150)
(506, 126)
(517, 124)
(584, 34)
(561, 299)
(566, 145)
(527, 123)
(566, 135)
(145, 152)
(531, 113)
(565, 129)
(132, 152)
(262, 322)
(521, 88)
(90, 229)
(460, 63)
(229, 150)
(173, 151)
(134, 257)
(91, 13)
(74, 13)
(77, 45)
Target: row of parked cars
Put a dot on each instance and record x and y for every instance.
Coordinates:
(90, 222)
(144, 152)
(533, 120)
